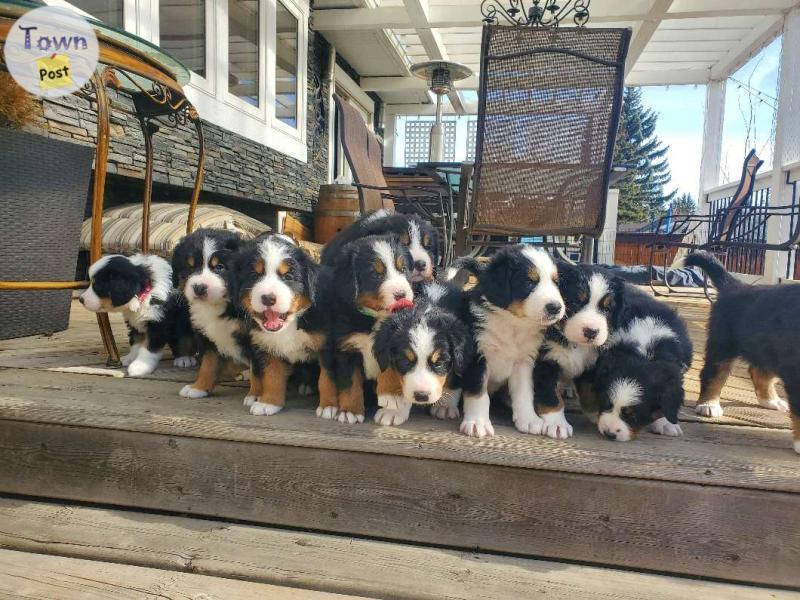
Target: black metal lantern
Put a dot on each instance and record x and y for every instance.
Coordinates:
(541, 13)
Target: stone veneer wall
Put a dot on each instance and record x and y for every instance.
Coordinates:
(236, 168)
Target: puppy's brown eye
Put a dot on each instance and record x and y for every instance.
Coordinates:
(213, 262)
(284, 268)
(606, 301)
(190, 261)
(379, 267)
(405, 239)
(400, 263)
(533, 275)
(409, 354)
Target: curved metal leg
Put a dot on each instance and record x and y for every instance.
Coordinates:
(148, 130)
(98, 197)
(201, 159)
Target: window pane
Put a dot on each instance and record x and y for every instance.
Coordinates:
(286, 66)
(243, 64)
(107, 11)
(182, 25)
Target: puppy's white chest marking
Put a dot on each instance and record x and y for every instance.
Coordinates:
(574, 360)
(504, 340)
(290, 343)
(206, 319)
(362, 342)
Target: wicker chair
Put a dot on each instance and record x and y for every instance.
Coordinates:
(735, 233)
(364, 155)
(549, 108)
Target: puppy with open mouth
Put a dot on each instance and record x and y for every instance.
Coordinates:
(140, 288)
(368, 280)
(277, 283)
(515, 301)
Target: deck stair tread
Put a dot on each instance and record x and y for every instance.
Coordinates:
(117, 549)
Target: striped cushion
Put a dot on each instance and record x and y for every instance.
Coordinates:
(122, 226)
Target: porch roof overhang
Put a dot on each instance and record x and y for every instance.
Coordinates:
(674, 41)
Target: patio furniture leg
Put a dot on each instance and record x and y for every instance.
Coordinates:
(201, 159)
(148, 130)
(461, 215)
(98, 197)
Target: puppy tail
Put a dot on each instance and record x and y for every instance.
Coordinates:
(462, 268)
(715, 270)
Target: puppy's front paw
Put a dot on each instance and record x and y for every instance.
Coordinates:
(262, 409)
(709, 409)
(387, 416)
(327, 412)
(445, 411)
(188, 391)
(775, 404)
(529, 424)
(555, 425)
(249, 400)
(663, 427)
(184, 362)
(139, 368)
(479, 428)
(128, 359)
(349, 417)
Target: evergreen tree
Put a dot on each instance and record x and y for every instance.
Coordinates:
(684, 205)
(641, 195)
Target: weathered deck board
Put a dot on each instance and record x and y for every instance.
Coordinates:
(325, 562)
(24, 575)
(727, 456)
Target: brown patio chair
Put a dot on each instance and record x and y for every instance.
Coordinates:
(735, 231)
(549, 108)
(364, 155)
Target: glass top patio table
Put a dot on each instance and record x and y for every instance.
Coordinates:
(118, 48)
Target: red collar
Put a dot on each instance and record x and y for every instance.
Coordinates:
(145, 293)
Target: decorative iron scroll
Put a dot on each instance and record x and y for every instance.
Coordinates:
(540, 13)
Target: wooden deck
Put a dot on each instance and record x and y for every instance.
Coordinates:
(721, 503)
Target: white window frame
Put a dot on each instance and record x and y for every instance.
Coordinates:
(210, 94)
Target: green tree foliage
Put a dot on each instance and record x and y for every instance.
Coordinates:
(642, 196)
(684, 205)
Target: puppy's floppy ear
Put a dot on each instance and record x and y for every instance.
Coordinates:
(671, 402)
(232, 243)
(384, 340)
(619, 314)
(122, 289)
(344, 275)
(310, 274)
(461, 343)
(495, 280)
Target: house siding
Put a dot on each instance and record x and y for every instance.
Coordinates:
(235, 167)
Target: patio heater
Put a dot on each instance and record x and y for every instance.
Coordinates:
(440, 75)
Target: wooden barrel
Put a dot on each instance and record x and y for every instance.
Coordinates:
(337, 209)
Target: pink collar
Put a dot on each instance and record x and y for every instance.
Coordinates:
(145, 293)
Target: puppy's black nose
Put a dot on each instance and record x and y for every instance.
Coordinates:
(552, 308)
(590, 334)
(200, 289)
(420, 265)
(268, 299)
(399, 295)
(609, 436)
(80, 299)
(421, 397)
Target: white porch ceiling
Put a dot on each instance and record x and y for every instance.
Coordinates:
(674, 41)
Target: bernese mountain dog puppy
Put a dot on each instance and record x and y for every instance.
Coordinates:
(638, 379)
(203, 270)
(140, 287)
(277, 282)
(759, 324)
(515, 301)
(413, 232)
(571, 347)
(422, 353)
(368, 280)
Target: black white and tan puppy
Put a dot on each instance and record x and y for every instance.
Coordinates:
(368, 280)
(140, 287)
(571, 347)
(203, 270)
(638, 379)
(277, 282)
(415, 233)
(759, 324)
(515, 301)
(422, 353)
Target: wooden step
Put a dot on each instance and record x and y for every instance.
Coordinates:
(312, 561)
(718, 502)
(24, 575)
